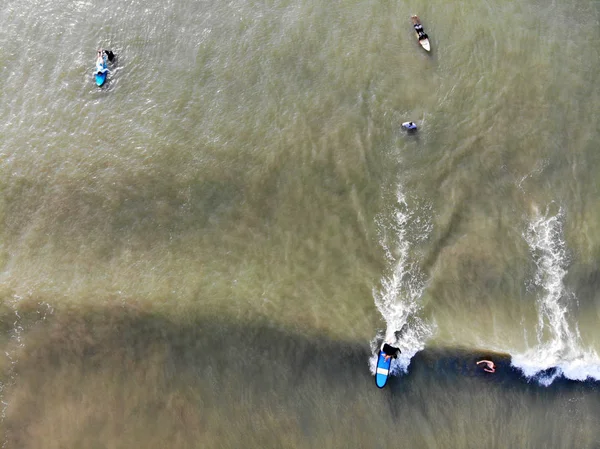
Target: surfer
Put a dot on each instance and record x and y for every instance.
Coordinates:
(489, 366)
(420, 32)
(389, 352)
(100, 62)
(409, 126)
(110, 55)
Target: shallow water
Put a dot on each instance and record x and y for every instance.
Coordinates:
(204, 252)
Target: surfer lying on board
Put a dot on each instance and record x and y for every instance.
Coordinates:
(409, 126)
(489, 366)
(389, 352)
(420, 31)
(100, 62)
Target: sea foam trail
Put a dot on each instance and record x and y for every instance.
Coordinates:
(559, 348)
(398, 299)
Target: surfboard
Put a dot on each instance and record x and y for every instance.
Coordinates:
(383, 370)
(101, 77)
(425, 40)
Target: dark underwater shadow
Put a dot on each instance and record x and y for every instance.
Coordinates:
(131, 378)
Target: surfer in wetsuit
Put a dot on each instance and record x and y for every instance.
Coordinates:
(389, 352)
(420, 32)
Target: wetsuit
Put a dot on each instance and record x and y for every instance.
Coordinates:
(420, 32)
(390, 350)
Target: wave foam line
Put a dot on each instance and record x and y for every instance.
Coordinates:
(558, 352)
(398, 298)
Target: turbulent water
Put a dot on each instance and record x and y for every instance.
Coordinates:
(207, 251)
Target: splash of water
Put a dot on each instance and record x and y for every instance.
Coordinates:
(558, 351)
(398, 299)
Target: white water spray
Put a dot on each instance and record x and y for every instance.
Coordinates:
(558, 350)
(398, 299)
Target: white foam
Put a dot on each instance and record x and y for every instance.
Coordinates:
(398, 299)
(559, 348)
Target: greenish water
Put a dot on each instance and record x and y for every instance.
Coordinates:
(204, 252)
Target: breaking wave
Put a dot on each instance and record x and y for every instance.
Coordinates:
(558, 351)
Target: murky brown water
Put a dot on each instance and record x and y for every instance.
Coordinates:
(201, 253)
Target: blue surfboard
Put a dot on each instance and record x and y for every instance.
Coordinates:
(101, 77)
(383, 370)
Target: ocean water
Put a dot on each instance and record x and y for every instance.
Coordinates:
(206, 251)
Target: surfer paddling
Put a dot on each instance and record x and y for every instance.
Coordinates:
(100, 62)
(101, 57)
(420, 32)
(101, 71)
